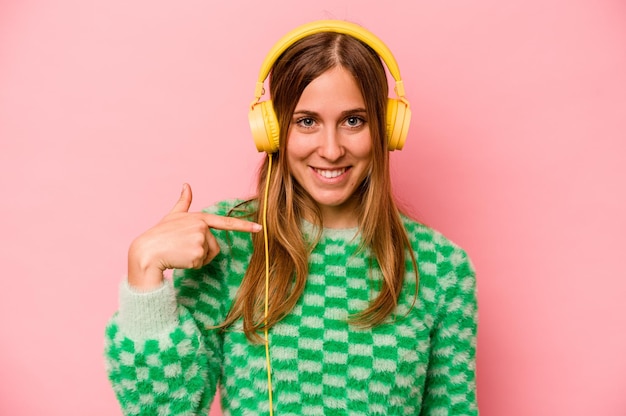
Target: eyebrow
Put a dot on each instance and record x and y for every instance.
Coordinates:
(346, 113)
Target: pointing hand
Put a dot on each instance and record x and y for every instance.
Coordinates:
(181, 240)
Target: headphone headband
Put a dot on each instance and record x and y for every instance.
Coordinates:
(337, 26)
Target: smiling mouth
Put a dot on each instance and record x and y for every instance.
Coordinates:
(330, 173)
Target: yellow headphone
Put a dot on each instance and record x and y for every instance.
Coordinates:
(263, 122)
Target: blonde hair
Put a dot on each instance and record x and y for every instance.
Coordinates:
(379, 219)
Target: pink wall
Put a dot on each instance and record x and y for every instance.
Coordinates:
(517, 152)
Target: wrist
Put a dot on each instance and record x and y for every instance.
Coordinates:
(143, 274)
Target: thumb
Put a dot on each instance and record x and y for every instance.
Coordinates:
(184, 202)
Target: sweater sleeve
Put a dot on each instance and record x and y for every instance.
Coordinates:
(160, 358)
(450, 380)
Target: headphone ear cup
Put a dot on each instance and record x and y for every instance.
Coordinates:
(398, 120)
(264, 126)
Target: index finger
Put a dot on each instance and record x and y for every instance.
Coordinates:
(230, 223)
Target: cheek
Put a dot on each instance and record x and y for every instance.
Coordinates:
(365, 155)
(363, 149)
(366, 151)
(297, 148)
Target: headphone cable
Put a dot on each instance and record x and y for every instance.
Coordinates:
(267, 284)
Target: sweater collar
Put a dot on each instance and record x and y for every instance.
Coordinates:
(342, 234)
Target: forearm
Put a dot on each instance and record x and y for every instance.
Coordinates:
(451, 376)
(157, 358)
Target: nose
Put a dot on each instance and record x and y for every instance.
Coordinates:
(330, 146)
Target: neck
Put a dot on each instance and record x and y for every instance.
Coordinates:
(344, 216)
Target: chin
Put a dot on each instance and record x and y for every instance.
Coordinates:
(336, 203)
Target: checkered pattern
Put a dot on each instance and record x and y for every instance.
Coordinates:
(420, 363)
(160, 376)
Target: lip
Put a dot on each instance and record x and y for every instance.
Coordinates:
(333, 174)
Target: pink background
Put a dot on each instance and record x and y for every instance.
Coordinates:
(517, 152)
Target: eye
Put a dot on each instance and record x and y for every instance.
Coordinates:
(306, 122)
(354, 121)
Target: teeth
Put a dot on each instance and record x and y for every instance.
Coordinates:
(329, 174)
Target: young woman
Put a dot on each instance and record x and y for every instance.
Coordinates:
(354, 308)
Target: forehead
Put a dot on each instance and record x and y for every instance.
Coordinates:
(334, 89)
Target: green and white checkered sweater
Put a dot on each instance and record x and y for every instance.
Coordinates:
(162, 360)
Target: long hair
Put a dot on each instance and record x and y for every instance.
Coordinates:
(379, 219)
